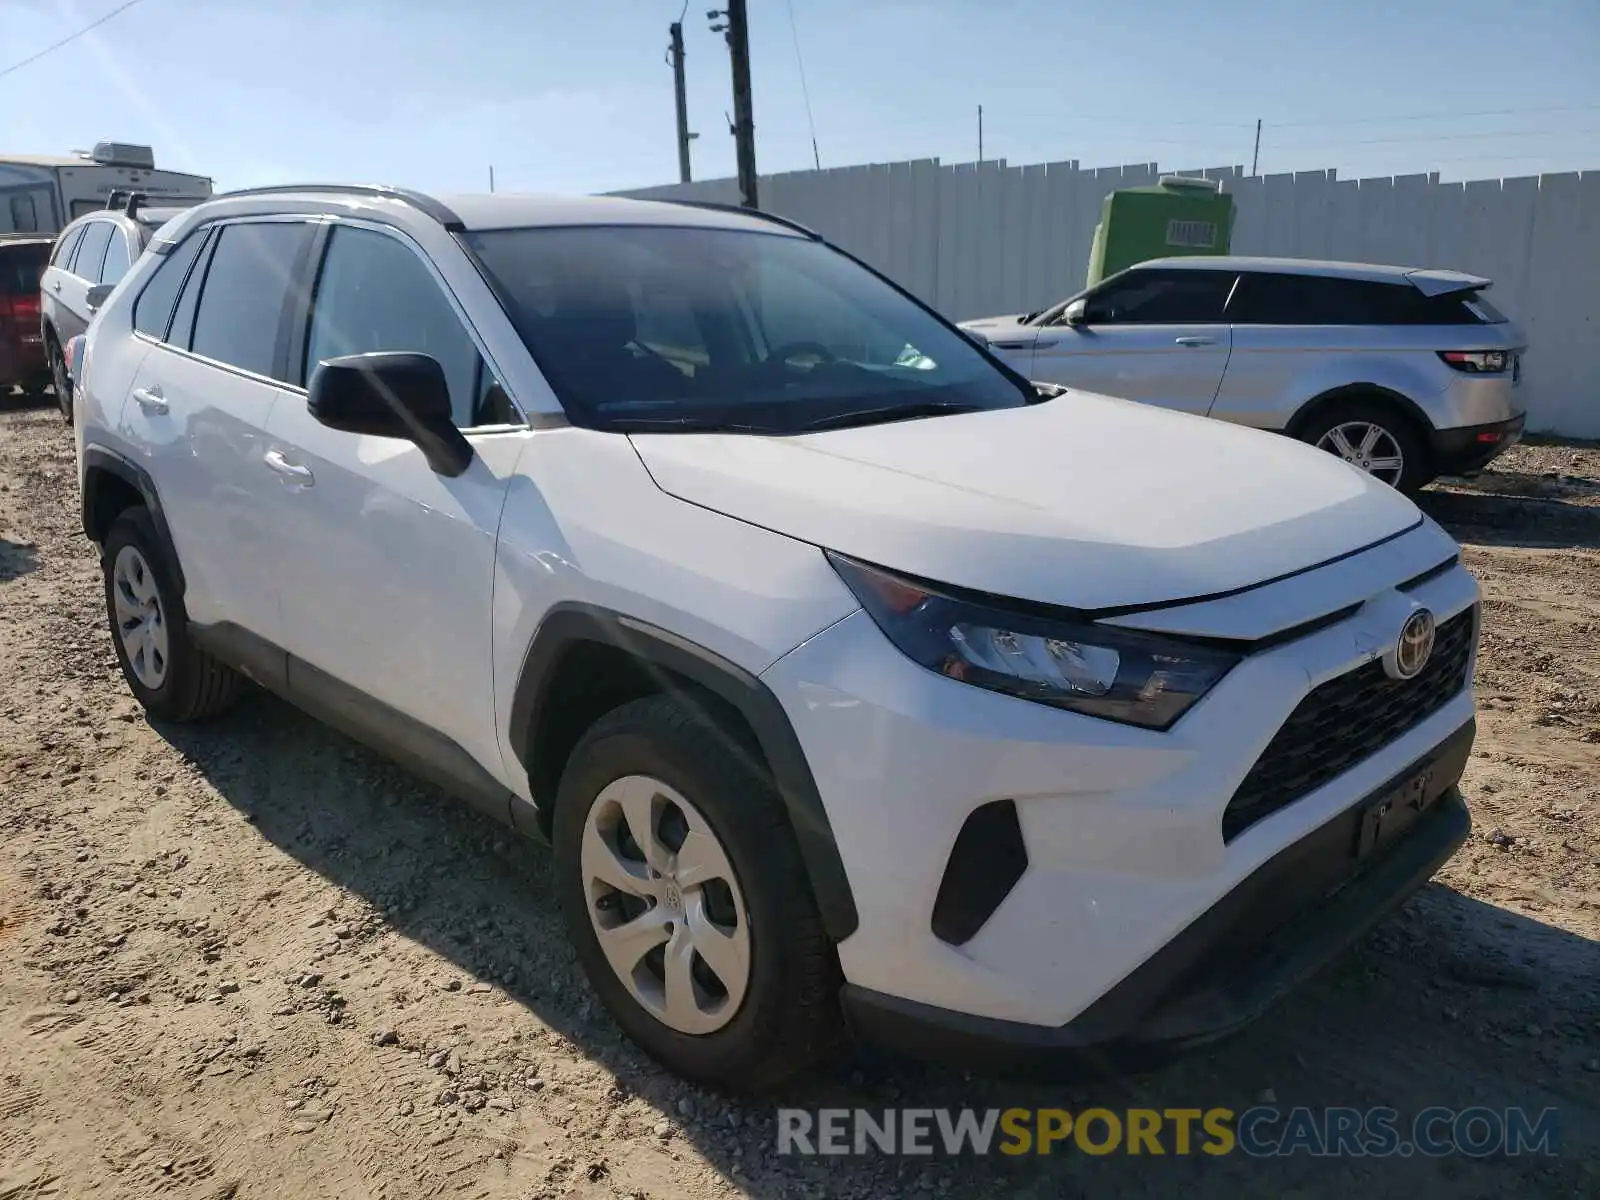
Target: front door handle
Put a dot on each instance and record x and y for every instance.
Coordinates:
(150, 399)
(56, 285)
(1195, 341)
(292, 471)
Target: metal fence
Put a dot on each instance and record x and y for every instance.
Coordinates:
(985, 238)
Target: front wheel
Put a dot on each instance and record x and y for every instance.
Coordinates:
(685, 898)
(61, 384)
(169, 675)
(1377, 438)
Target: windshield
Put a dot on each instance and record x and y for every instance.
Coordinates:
(660, 327)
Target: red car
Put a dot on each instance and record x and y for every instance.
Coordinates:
(22, 357)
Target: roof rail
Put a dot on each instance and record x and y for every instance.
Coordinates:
(424, 204)
(135, 199)
(114, 200)
(757, 213)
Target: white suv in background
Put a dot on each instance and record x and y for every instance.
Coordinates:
(1407, 374)
(849, 676)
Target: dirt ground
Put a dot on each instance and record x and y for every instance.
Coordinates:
(252, 959)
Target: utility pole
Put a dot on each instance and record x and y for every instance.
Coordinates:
(980, 133)
(675, 57)
(1255, 158)
(737, 28)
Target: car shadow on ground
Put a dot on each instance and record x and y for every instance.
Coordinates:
(17, 401)
(1439, 999)
(1520, 510)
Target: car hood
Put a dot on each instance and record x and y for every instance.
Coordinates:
(993, 327)
(1083, 501)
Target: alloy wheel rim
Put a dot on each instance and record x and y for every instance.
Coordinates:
(140, 619)
(665, 905)
(1368, 446)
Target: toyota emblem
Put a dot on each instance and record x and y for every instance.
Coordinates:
(1412, 648)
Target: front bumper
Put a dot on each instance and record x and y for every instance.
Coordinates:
(1301, 909)
(1470, 448)
(1121, 829)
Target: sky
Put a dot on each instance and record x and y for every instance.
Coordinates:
(577, 96)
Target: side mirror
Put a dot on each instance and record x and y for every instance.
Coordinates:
(97, 294)
(391, 394)
(1076, 313)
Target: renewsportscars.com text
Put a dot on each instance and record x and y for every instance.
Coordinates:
(1259, 1132)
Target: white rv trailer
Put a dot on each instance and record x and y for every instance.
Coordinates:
(40, 194)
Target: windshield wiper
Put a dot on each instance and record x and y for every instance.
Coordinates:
(684, 425)
(897, 412)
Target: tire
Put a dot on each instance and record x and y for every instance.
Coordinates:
(1396, 430)
(787, 1015)
(171, 677)
(59, 383)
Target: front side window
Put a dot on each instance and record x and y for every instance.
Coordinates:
(92, 250)
(242, 297)
(374, 294)
(152, 311)
(62, 257)
(1160, 298)
(657, 327)
(118, 259)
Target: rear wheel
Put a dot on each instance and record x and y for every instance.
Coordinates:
(1375, 436)
(686, 900)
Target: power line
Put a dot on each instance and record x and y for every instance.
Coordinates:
(1498, 112)
(805, 92)
(71, 37)
(1437, 137)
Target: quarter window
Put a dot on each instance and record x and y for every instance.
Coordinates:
(1285, 299)
(1161, 298)
(374, 294)
(242, 297)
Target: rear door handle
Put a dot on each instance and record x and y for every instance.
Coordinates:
(56, 285)
(150, 399)
(1195, 341)
(294, 471)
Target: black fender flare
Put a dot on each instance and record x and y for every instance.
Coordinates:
(569, 623)
(98, 464)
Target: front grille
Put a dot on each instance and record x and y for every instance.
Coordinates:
(1346, 720)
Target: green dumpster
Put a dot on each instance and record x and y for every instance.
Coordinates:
(1178, 215)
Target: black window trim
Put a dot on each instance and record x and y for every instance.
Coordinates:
(300, 332)
(73, 233)
(212, 229)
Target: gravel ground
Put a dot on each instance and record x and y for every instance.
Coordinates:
(252, 959)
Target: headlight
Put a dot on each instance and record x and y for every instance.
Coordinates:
(1134, 678)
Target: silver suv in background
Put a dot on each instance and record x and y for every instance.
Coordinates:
(1408, 374)
(91, 256)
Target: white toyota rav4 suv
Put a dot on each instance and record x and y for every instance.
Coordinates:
(856, 682)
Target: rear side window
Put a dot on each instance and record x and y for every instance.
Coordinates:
(118, 258)
(1318, 300)
(92, 250)
(242, 298)
(1160, 298)
(152, 311)
(65, 247)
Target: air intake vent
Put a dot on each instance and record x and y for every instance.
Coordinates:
(988, 859)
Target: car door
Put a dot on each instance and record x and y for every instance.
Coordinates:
(70, 286)
(216, 316)
(1155, 335)
(388, 568)
(54, 280)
